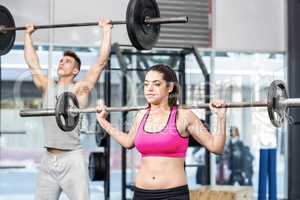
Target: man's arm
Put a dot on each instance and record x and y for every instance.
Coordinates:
(32, 60)
(83, 87)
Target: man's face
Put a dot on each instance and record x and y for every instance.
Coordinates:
(67, 66)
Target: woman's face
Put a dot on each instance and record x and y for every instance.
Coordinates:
(234, 132)
(156, 89)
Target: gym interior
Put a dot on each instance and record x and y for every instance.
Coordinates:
(229, 50)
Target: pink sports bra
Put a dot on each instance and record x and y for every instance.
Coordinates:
(165, 143)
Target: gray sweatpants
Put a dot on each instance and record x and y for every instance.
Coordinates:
(65, 172)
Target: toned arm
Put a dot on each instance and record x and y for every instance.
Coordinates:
(83, 87)
(32, 60)
(214, 142)
(124, 139)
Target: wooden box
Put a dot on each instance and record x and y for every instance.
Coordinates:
(222, 193)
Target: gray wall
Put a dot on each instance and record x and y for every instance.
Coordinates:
(252, 25)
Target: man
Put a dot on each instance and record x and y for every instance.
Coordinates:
(63, 166)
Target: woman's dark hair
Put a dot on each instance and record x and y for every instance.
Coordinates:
(169, 76)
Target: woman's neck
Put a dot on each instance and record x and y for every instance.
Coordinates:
(159, 108)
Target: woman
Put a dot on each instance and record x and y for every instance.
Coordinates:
(160, 133)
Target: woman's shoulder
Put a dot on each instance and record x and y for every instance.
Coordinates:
(140, 114)
(185, 112)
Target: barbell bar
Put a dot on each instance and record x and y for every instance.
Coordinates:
(142, 22)
(157, 20)
(72, 111)
(198, 106)
(67, 109)
(291, 102)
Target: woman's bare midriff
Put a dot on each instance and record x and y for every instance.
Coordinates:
(160, 173)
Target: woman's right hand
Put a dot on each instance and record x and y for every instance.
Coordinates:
(101, 111)
(29, 29)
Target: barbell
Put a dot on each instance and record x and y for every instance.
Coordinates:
(142, 22)
(67, 109)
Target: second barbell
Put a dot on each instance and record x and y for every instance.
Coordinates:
(67, 109)
(142, 22)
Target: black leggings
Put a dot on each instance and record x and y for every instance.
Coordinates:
(177, 193)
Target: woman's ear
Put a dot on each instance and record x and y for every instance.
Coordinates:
(170, 87)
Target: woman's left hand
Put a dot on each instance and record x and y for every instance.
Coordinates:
(218, 107)
(101, 111)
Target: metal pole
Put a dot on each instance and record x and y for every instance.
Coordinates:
(166, 20)
(0, 103)
(290, 102)
(109, 109)
(107, 95)
(198, 106)
(208, 122)
(51, 112)
(58, 26)
(206, 76)
(123, 68)
(37, 113)
(148, 20)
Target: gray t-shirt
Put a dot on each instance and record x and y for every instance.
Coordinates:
(54, 136)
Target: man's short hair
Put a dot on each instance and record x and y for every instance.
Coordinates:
(76, 58)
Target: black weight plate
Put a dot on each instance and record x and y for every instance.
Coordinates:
(7, 39)
(277, 112)
(142, 36)
(65, 120)
(97, 166)
(100, 136)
